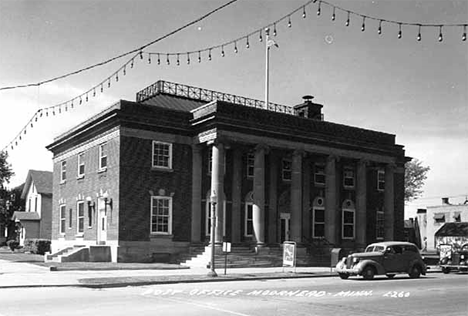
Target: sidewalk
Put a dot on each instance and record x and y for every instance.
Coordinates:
(20, 274)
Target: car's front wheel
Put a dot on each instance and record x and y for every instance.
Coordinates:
(343, 276)
(415, 272)
(368, 273)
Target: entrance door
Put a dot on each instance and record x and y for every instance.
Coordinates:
(285, 218)
(102, 225)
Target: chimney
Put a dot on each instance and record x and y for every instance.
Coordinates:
(309, 109)
(445, 200)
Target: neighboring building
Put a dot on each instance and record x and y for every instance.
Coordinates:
(36, 220)
(436, 216)
(453, 233)
(140, 176)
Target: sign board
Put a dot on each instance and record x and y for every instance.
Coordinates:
(226, 247)
(289, 254)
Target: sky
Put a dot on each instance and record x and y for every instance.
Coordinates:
(416, 90)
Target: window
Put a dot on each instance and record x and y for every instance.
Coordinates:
(70, 218)
(379, 225)
(319, 174)
(348, 224)
(103, 157)
(457, 217)
(35, 205)
(62, 219)
(81, 165)
(439, 218)
(248, 220)
(250, 165)
(210, 160)
(29, 205)
(286, 169)
(80, 217)
(90, 215)
(348, 178)
(381, 180)
(63, 171)
(318, 228)
(162, 155)
(161, 215)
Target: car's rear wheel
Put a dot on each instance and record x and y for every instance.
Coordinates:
(390, 275)
(368, 273)
(344, 276)
(415, 272)
(446, 270)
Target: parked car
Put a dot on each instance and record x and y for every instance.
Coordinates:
(383, 258)
(452, 258)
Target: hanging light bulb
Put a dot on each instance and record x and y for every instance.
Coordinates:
(102, 88)
(222, 51)
(333, 15)
(53, 111)
(47, 113)
(399, 31)
(209, 55)
(149, 58)
(40, 113)
(188, 58)
(304, 15)
(141, 54)
(31, 124)
(247, 44)
(289, 21)
(94, 92)
(347, 20)
(363, 27)
(60, 109)
(167, 59)
(108, 83)
(125, 70)
(464, 33)
(319, 10)
(87, 97)
(131, 63)
(379, 30)
(274, 29)
(441, 37)
(81, 101)
(235, 48)
(199, 56)
(71, 104)
(419, 33)
(260, 38)
(117, 77)
(178, 61)
(66, 107)
(159, 59)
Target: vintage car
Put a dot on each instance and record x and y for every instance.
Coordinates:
(453, 258)
(383, 258)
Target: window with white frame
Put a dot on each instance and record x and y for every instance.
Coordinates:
(348, 178)
(248, 219)
(348, 220)
(318, 224)
(80, 217)
(162, 155)
(81, 165)
(286, 169)
(250, 165)
(381, 180)
(70, 218)
(380, 225)
(63, 219)
(103, 157)
(319, 174)
(63, 171)
(161, 215)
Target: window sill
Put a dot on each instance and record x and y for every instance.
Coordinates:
(153, 168)
(63, 181)
(161, 235)
(102, 170)
(79, 235)
(80, 177)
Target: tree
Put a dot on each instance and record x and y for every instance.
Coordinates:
(5, 174)
(5, 170)
(415, 174)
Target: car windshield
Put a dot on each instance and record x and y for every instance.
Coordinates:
(375, 249)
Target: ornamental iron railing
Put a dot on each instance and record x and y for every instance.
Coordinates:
(194, 93)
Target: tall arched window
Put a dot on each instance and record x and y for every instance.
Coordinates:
(348, 220)
(318, 217)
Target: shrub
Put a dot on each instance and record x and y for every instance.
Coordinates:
(37, 246)
(13, 244)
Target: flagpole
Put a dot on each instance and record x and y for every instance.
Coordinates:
(267, 61)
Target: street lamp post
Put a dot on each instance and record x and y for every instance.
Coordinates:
(212, 272)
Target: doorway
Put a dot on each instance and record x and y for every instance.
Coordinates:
(102, 223)
(284, 230)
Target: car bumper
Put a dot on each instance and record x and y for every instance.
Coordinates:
(341, 268)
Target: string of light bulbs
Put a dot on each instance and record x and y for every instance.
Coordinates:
(222, 47)
(124, 54)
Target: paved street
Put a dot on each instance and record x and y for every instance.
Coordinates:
(435, 294)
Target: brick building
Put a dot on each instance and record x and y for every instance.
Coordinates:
(140, 176)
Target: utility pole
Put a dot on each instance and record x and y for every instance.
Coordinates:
(212, 272)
